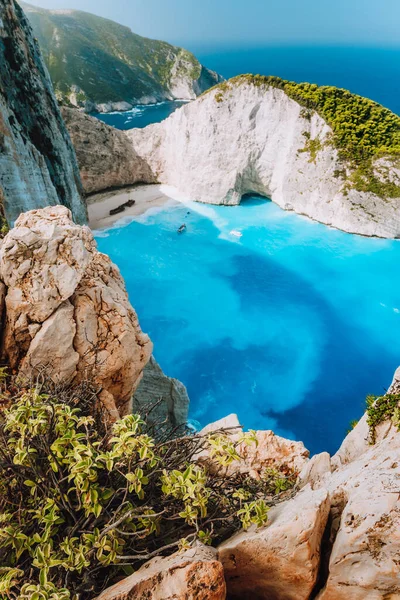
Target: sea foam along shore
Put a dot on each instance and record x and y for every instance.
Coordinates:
(146, 197)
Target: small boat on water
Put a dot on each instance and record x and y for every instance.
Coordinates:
(182, 228)
(236, 233)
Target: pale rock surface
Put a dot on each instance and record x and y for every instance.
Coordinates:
(230, 422)
(279, 561)
(105, 155)
(250, 139)
(168, 393)
(272, 450)
(38, 166)
(60, 359)
(67, 310)
(357, 556)
(395, 385)
(314, 470)
(193, 575)
(365, 560)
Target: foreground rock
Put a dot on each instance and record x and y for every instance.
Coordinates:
(338, 538)
(281, 560)
(364, 563)
(193, 575)
(37, 162)
(271, 451)
(105, 155)
(242, 138)
(66, 309)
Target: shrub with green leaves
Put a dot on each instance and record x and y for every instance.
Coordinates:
(380, 409)
(81, 506)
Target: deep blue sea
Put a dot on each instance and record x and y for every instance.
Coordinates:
(370, 72)
(290, 325)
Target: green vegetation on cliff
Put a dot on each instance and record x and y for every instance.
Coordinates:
(363, 130)
(82, 503)
(103, 61)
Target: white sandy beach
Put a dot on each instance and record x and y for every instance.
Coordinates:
(145, 196)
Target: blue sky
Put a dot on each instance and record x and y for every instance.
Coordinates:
(255, 22)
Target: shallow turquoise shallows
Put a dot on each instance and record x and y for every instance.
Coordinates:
(290, 325)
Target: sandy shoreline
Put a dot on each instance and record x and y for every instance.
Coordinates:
(145, 196)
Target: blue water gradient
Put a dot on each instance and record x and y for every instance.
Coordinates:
(289, 326)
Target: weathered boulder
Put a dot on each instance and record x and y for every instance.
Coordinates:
(314, 470)
(279, 561)
(67, 310)
(364, 559)
(272, 451)
(37, 161)
(166, 397)
(105, 155)
(194, 575)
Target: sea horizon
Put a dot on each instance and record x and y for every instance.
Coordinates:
(370, 71)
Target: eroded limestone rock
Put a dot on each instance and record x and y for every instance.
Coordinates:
(193, 575)
(272, 451)
(67, 310)
(279, 561)
(364, 562)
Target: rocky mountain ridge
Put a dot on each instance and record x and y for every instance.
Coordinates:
(103, 66)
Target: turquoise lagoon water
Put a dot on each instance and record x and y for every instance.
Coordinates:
(290, 326)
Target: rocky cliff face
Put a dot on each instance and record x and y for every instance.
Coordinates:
(66, 311)
(166, 397)
(249, 138)
(105, 155)
(101, 65)
(37, 161)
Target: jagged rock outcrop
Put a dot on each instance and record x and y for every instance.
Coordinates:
(103, 66)
(105, 155)
(338, 538)
(280, 561)
(66, 309)
(37, 162)
(249, 137)
(165, 397)
(364, 558)
(194, 575)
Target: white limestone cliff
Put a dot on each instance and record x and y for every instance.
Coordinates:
(253, 139)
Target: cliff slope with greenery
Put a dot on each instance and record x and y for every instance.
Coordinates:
(363, 130)
(97, 60)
